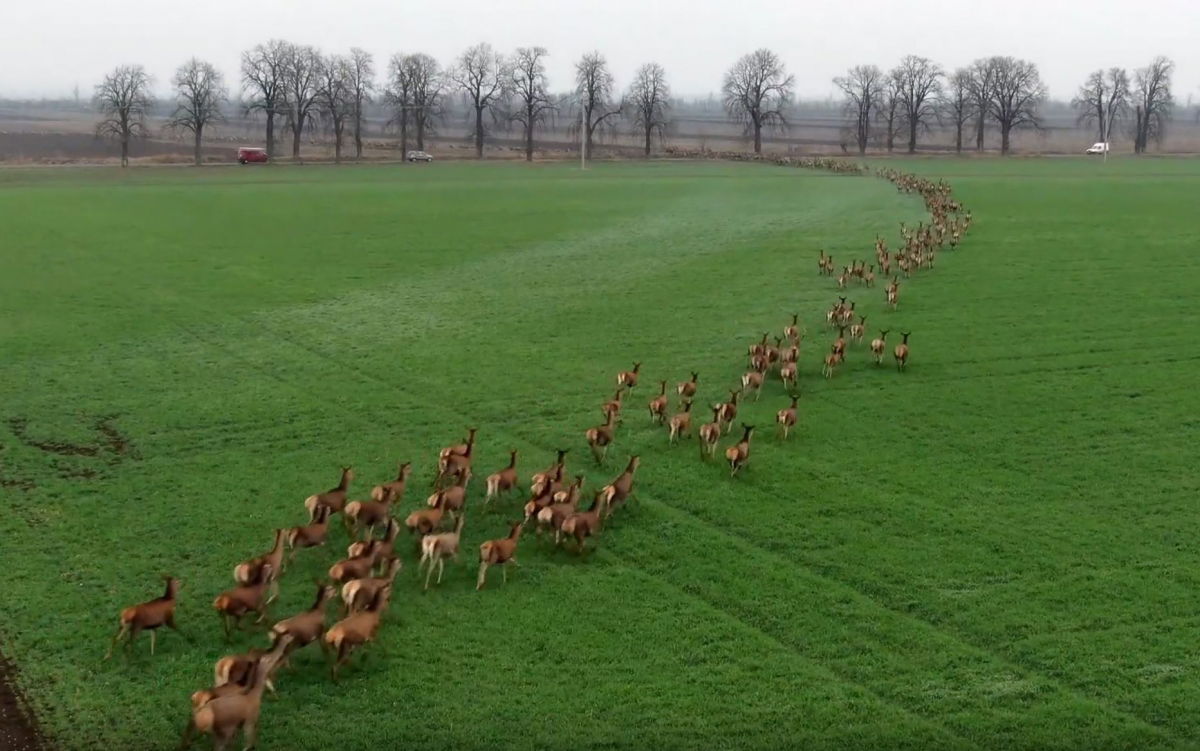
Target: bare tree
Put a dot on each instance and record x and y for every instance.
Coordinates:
(863, 87)
(982, 81)
(362, 83)
(959, 104)
(428, 86)
(889, 111)
(755, 91)
(301, 73)
(1152, 102)
(480, 72)
(1017, 92)
(335, 97)
(527, 81)
(199, 93)
(262, 82)
(650, 97)
(1102, 100)
(919, 83)
(123, 98)
(594, 85)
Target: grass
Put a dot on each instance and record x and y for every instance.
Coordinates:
(994, 549)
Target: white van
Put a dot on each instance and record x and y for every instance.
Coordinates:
(1098, 148)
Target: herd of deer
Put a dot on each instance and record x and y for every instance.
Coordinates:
(367, 574)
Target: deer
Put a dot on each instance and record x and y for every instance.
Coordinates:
(499, 552)
(687, 389)
(223, 712)
(334, 498)
(821, 262)
(504, 481)
(738, 454)
(839, 344)
(247, 572)
(384, 549)
(539, 501)
(878, 344)
(710, 434)
(612, 407)
(451, 500)
(752, 380)
(847, 314)
(355, 630)
(238, 669)
(309, 535)
(621, 489)
(583, 524)
(459, 449)
(786, 418)
(541, 480)
(305, 627)
(396, 487)
(869, 277)
(358, 594)
(771, 353)
(832, 360)
(681, 423)
(901, 351)
(238, 602)
(147, 616)
(791, 354)
(552, 516)
(893, 292)
(792, 332)
(601, 437)
(857, 330)
(629, 378)
(787, 374)
(359, 567)
(729, 409)
(426, 520)
(365, 516)
(843, 277)
(457, 465)
(658, 405)
(435, 549)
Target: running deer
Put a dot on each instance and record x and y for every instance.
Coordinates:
(821, 261)
(541, 479)
(612, 407)
(426, 520)
(358, 594)
(893, 292)
(584, 524)
(658, 405)
(147, 616)
(629, 378)
(847, 314)
(839, 344)
(752, 380)
(335, 498)
(458, 448)
(729, 410)
(396, 487)
(857, 330)
(504, 481)
(710, 433)
(786, 418)
(552, 516)
(499, 552)
(791, 354)
(758, 347)
(451, 500)
(456, 466)
(435, 549)
(222, 713)
(247, 572)
(235, 604)
(901, 351)
(832, 360)
(843, 277)
(355, 630)
(306, 627)
(601, 437)
(681, 423)
(621, 489)
(539, 501)
(772, 352)
(365, 516)
(359, 567)
(877, 345)
(238, 669)
(687, 389)
(384, 549)
(792, 332)
(788, 375)
(309, 535)
(869, 277)
(738, 454)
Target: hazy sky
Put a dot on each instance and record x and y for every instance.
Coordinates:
(49, 46)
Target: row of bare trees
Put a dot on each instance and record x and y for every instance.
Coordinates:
(1109, 97)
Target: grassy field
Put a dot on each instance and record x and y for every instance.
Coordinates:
(994, 549)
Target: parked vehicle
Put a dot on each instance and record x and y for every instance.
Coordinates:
(419, 156)
(251, 154)
(1098, 148)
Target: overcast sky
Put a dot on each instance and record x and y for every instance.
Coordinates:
(49, 46)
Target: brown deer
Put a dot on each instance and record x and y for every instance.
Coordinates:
(710, 433)
(504, 481)
(612, 407)
(787, 374)
(541, 480)
(621, 489)
(792, 332)
(552, 516)
(583, 524)
(843, 278)
(738, 454)
(839, 344)
(426, 520)
(787, 417)
(359, 567)
(395, 487)
(306, 627)
(355, 630)
(758, 348)
(451, 500)
(857, 330)
(335, 498)
(752, 380)
(901, 351)
(240, 601)
(457, 466)
(772, 352)
(877, 345)
(729, 410)
(847, 314)
(384, 549)
(869, 277)
(892, 291)
(458, 448)
(681, 423)
(499, 552)
(821, 261)
(832, 360)
(147, 616)
(629, 378)
(223, 711)
(658, 405)
(601, 437)
(238, 669)
(247, 572)
(435, 549)
(358, 594)
(309, 535)
(791, 354)
(687, 389)
(364, 516)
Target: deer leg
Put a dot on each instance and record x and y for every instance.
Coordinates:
(428, 574)
(152, 636)
(121, 631)
(441, 568)
(482, 575)
(250, 733)
(187, 734)
(133, 632)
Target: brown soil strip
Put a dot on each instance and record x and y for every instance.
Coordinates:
(18, 731)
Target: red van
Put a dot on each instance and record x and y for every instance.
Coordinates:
(248, 154)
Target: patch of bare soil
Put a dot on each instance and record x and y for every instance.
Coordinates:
(18, 730)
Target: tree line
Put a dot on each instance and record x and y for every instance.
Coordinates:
(296, 87)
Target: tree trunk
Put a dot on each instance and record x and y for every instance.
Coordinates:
(403, 133)
(125, 150)
(1004, 131)
(891, 137)
(478, 132)
(757, 137)
(270, 132)
(649, 130)
(979, 128)
(199, 136)
(337, 144)
(421, 132)
(297, 130)
(357, 133)
(958, 138)
(529, 138)
(912, 136)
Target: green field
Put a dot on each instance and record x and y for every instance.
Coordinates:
(994, 549)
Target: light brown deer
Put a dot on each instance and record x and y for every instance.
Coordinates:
(247, 572)
(620, 490)
(710, 433)
(752, 380)
(457, 466)
(869, 277)
(359, 567)
(540, 480)
(451, 500)
(658, 405)
(426, 520)
(358, 594)
(738, 454)
(792, 332)
(234, 604)
(687, 389)
(601, 437)
(839, 344)
(364, 516)
(787, 374)
(832, 360)
(222, 711)
(629, 378)
(893, 293)
(435, 549)
(458, 448)
(901, 351)
(729, 410)
(383, 549)
(877, 345)
(499, 552)
(147, 616)
(395, 487)
(612, 407)
(504, 481)
(786, 418)
(310, 535)
(552, 516)
(335, 498)
(681, 423)
(857, 330)
(238, 669)
(354, 631)
(791, 354)
(583, 524)
(305, 627)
